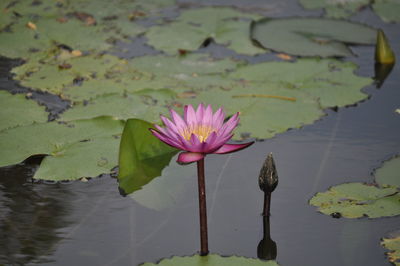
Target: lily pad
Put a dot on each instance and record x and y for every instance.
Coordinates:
(54, 139)
(331, 81)
(225, 26)
(212, 260)
(336, 9)
(311, 36)
(389, 173)
(52, 78)
(142, 157)
(166, 190)
(355, 200)
(19, 111)
(145, 104)
(387, 10)
(82, 159)
(393, 244)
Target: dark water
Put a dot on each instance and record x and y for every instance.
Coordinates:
(92, 224)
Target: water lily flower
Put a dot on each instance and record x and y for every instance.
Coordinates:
(198, 133)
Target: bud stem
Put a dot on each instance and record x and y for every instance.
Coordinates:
(202, 208)
(267, 204)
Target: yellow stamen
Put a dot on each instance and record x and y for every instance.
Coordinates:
(201, 131)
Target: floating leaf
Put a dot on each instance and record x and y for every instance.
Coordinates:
(212, 260)
(82, 159)
(311, 36)
(165, 191)
(49, 77)
(19, 111)
(336, 9)
(393, 244)
(225, 26)
(331, 81)
(145, 104)
(55, 139)
(387, 10)
(142, 157)
(389, 173)
(355, 200)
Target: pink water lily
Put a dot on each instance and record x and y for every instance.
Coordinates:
(199, 132)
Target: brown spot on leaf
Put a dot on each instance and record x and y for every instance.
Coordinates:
(187, 94)
(31, 25)
(284, 56)
(88, 19)
(64, 66)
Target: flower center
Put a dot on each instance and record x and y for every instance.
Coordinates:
(201, 131)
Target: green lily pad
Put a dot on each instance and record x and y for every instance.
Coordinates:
(54, 139)
(142, 157)
(387, 10)
(355, 200)
(212, 260)
(311, 36)
(262, 117)
(225, 26)
(145, 104)
(331, 81)
(52, 78)
(82, 159)
(389, 173)
(166, 190)
(392, 244)
(19, 111)
(336, 9)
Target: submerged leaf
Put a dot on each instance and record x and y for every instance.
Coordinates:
(212, 260)
(311, 36)
(142, 157)
(166, 190)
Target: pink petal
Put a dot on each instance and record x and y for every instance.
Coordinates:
(210, 143)
(208, 116)
(218, 119)
(180, 124)
(171, 126)
(227, 148)
(229, 125)
(196, 145)
(165, 139)
(190, 115)
(200, 113)
(221, 140)
(189, 157)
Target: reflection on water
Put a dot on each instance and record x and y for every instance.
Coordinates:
(30, 215)
(267, 249)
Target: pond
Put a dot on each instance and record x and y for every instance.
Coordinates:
(90, 222)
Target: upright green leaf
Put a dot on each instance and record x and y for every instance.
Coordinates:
(142, 157)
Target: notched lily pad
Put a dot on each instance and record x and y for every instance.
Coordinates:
(311, 36)
(336, 9)
(225, 26)
(212, 260)
(355, 200)
(69, 147)
(393, 244)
